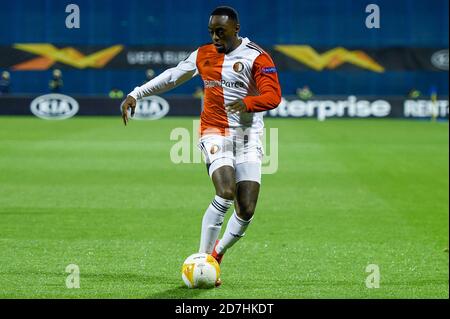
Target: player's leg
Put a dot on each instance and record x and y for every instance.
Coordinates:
(249, 153)
(245, 204)
(220, 167)
(246, 198)
(224, 182)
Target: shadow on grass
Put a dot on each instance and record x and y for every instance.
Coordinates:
(180, 292)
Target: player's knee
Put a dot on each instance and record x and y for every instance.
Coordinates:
(246, 210)
(226, 193)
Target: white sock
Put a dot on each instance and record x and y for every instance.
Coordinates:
(235, 230)
(212, 223)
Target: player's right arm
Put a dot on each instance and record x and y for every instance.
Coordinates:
(169, 79)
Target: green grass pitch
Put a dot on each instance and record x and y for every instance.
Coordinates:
(347, 194)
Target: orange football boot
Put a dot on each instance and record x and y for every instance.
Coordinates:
(217, 257)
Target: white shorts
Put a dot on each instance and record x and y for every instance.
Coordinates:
(244, 154)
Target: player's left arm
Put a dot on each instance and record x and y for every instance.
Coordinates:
(266, 78)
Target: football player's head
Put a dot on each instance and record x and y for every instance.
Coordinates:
(224, 27)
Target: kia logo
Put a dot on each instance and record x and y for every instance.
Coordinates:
(151, 108)
(440, 59)
(54, 107)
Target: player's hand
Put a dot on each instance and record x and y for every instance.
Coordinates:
(236, 106)
(129, 102)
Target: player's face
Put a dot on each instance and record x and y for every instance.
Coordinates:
(223, 33)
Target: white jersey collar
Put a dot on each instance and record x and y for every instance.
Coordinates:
(244, 42)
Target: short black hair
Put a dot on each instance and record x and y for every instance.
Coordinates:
(226, 11)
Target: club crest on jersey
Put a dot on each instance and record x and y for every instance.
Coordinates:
(269, 69)
(238, 67)
(214, 149)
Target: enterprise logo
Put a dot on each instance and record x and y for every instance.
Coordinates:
(214, 83)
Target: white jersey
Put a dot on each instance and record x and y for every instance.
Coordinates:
(246, 73)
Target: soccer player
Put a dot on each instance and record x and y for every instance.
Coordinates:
(240, 81)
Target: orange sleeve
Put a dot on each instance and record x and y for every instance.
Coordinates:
(266, 78)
